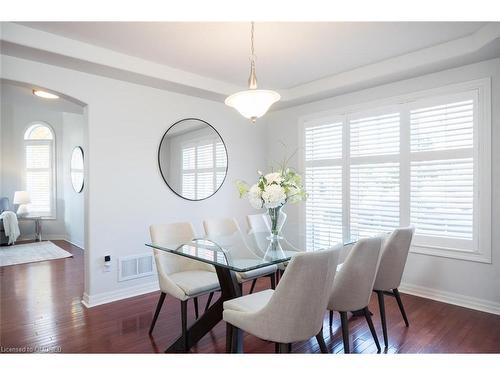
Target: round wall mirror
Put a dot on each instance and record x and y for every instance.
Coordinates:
(193, 159)
(76, 167)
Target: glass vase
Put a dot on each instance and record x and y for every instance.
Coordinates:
(276, 219)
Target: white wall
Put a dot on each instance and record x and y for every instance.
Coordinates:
(124, 190)
(477, 284)
(73, 136)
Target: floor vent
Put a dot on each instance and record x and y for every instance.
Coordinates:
(135, 266)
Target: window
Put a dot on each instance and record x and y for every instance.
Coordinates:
(40, 169)
(374, 172)
(442, 171)
(424, 160)
(203, 168)
(323, 181)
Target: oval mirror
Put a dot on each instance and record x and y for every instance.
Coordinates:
(76, 167)
(193, 159)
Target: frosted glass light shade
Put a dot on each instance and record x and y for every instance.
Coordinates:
(252, 103)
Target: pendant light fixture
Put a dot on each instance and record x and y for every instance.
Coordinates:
(252, 103)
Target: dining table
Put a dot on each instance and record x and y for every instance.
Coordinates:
(229, 254)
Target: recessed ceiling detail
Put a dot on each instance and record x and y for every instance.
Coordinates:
(303, 61)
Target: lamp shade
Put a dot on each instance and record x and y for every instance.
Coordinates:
(252, 103)
(22, 197)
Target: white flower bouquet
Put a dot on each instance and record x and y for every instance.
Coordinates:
(272, 191)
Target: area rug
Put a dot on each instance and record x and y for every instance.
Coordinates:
(31, 252)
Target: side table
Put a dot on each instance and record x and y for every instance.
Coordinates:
(38, 224)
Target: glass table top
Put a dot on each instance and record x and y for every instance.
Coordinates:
(240, 252)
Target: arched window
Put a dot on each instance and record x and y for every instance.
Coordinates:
(39, 154)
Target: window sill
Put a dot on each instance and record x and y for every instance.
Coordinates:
(42, 217)
(451, 253)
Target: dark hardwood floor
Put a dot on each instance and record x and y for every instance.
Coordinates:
(40, 307)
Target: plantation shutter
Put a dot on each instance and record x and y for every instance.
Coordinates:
(323, 207)
(323, 183)
(374, 173)
(423, 160)
(220, 163)
(442, 169)
(374, 199)
(39, 176)
(374, 135)
(204, 168)
(188, 172)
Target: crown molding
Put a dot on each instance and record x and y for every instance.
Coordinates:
(18, 38)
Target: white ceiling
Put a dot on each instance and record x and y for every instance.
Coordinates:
(288, 54)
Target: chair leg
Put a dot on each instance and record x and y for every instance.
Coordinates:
(229, 338)
(368, 318)
(157, 312)
(331, 318)
(209, 300)
(284, 348)
(381, 305)
(273, 281)
(236, 340)
(184, 322)
(253, 286)
(401, 307)
(195, 302)
(345, 331)
(321, 341)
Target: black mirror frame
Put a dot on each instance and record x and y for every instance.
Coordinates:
(159, 165)
(83, 158)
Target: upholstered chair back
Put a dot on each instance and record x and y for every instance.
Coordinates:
(227, 234)
(171, 236)
(393, 259)
(220, 227)
(296, 309)
(353, 283)
(257, 223)
(4, 204)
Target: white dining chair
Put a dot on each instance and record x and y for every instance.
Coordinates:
(218, 228)
(353, 285)
(293, 312)
(392, 264)
(257, 223)
(180, 277)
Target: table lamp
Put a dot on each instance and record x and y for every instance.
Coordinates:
(22, 198)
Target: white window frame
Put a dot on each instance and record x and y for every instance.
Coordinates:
(52, 215)
(482, 157)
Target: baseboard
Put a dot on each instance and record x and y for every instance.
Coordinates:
(451, 298)
(52, 237)
(115, 295)
(45, 237)
(73, 243)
